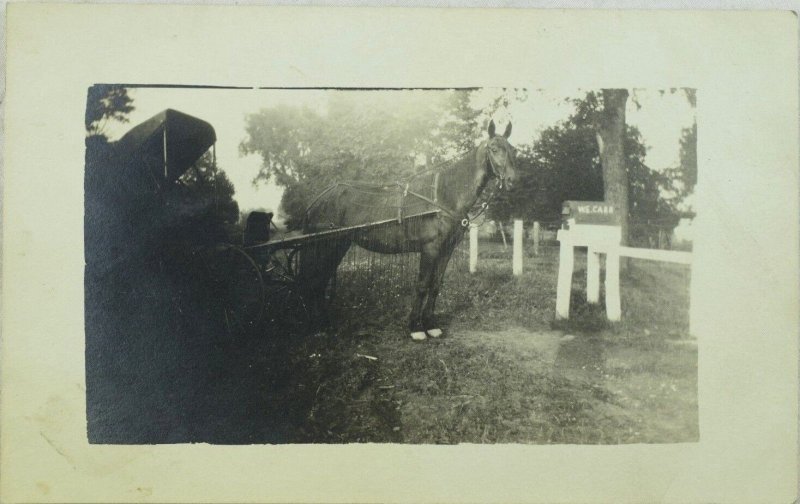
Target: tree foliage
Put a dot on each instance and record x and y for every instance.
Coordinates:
(206, 211)
(689, 157)
(564, 164)
(106, 102)
(683, 177)
(379, 137)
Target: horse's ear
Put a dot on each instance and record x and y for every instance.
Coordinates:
(508, 131)
(491, 128)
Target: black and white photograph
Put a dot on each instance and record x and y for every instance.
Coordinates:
(423, 266)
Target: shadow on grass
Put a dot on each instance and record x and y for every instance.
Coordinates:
(584, 317)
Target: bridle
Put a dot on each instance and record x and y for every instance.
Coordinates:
(484, 205)
(501, 177)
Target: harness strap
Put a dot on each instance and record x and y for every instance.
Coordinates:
(434, 203)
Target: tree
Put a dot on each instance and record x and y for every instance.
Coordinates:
(683, 178)
(103, 103)
(206, 211)
(461, 128)
(377, 137)
(688, 158)
(611, 129)
(106, 102)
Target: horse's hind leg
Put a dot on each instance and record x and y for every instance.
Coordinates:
(318, 267)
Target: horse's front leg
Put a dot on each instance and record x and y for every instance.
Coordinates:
(432, 329)
(426, 267)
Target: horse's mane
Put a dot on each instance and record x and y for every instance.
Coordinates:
(445, 165)
(441, 167)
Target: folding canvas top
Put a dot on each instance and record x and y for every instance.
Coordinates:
(168, 143)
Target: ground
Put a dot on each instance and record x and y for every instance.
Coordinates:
(505, 371)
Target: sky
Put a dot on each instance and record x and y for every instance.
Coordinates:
(660, 118)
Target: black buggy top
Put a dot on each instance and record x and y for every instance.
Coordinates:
(168, 143)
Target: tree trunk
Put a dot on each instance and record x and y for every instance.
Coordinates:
(611, 140)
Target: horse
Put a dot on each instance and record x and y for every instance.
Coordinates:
(431, 209)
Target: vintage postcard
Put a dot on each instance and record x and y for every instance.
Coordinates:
(399, 255)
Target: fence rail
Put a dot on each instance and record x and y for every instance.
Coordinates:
(530, 239)
(673, 256)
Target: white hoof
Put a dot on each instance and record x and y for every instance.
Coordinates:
(434, 333)
(418, 335)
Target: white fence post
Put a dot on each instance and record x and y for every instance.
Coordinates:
(592, 276)
(536, 238)
(613, 307)
(566, 263)
(517, 256)
(473, 249)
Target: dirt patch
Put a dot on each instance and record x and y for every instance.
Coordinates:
(539, 348)
(521, 386)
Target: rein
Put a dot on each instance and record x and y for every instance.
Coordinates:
(465, 222)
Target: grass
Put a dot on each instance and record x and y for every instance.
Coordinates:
(505, 372)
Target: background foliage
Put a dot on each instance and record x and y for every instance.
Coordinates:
(377, 136)
(386, 136)
(106, 103)
(564, 164)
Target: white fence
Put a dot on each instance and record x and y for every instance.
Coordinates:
(537, 236)
(599, 240)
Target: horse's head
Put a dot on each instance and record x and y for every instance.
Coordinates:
(501, 156)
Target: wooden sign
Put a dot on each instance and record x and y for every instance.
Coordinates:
(589, 213)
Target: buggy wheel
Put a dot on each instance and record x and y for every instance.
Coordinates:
(237, 288)
(285, 309)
